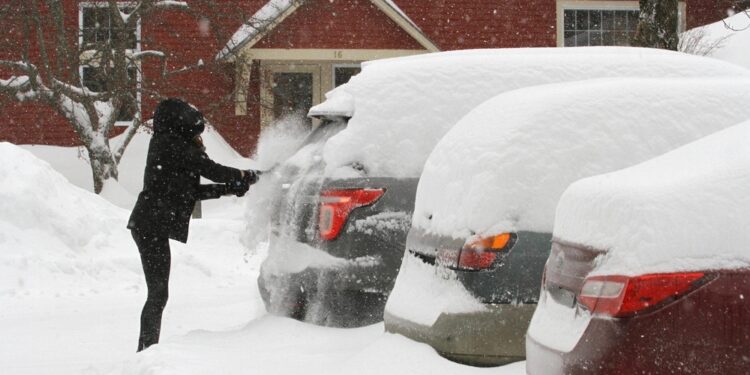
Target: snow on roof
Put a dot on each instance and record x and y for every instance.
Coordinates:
(273, 12)
(687, 210)
(403, 106)
(731, 38)
(259, 22)
(504, 166)
(403, 15)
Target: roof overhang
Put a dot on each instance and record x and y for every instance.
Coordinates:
(276, 11)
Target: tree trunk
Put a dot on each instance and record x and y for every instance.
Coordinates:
(103, 166)
(657, 27)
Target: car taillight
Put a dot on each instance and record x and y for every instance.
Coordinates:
(621, 296)
(336, 205)
(483, 253)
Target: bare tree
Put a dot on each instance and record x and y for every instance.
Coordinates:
(657, 27)
(53, 68)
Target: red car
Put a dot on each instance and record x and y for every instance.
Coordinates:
(649, 271)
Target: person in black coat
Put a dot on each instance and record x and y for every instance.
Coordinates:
(171, 186)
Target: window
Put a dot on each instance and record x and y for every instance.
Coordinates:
(593, 27)
(97, 27)
(97, 31)
(343, 73)
(601, 22)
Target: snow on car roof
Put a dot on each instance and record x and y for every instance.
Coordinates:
(402, 107)
(686, 210)
(503, 167)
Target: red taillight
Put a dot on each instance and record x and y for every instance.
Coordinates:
(336, 205)
(620, 296)
(482, 253)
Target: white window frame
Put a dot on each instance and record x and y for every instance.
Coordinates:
(86, 56)
(563, 5)
(333, 71)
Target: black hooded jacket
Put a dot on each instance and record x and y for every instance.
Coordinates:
(174, 165)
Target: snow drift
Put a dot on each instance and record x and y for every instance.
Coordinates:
(50, 229)
(727, 40)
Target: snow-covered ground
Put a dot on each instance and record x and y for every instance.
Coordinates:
(71, 290)
(726, 40)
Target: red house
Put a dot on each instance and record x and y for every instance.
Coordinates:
(246, 63)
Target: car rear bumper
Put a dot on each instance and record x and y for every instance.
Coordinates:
(491, 337)
(322, 289)
(705, 332)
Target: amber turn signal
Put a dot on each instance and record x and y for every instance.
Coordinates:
(493, 243)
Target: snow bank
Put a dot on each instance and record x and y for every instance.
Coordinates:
(273, 345)
(402, 107)
(72, 162)
(686, 210)
(727, 40)
(56, 238)
(53, 233)
(505, 164)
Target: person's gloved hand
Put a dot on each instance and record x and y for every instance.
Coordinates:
(251, 176)
(237, 187)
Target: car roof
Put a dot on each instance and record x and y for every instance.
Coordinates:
(686, 210)
(400, 108)
(504, 166)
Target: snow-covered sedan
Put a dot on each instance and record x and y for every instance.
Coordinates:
(650, 268)
(337, 247)
(485, 206)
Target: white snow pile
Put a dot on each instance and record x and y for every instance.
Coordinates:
(727, 40)
(505, 164)
(687, 210)
(423, 292)
(52, 233)
(279, 346)
(403, 106)
(72, 162)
